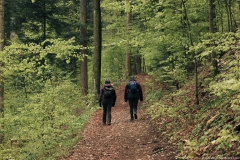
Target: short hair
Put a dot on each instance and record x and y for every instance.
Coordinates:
(107, 81)
(132, 78)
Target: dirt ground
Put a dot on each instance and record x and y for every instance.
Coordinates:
(123, 140)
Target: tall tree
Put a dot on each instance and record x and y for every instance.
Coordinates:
(1, 63)
(97, 34)
(211, 15)
(83, 43)
(138, 61)
(128, 50)
(228, 15)
(231, 22)
(186, 25)
(212, 29)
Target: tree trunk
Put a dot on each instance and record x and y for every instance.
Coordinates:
(234, 25)
(97, 34)
(1, 65)
(211, 16)
(143, 65)
(228, 15)
(138, 61)
(83, 43)
(212, 30)
(44, 23)
(187, 24)
(138, 64)
(128, 47)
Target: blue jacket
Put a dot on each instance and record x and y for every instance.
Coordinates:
(129, 95)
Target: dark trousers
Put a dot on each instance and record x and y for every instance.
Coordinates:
(107, 116)
(133, 103)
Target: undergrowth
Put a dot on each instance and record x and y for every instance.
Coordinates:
(204, 130)
(44, 125)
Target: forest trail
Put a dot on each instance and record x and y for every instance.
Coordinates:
(122, 140)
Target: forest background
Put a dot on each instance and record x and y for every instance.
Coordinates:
(55, 54)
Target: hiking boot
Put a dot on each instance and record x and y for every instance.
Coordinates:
(135, 116)
(104, 123)
(131, 119)
(109, 124)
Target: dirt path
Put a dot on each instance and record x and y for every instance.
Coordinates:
(122, 140)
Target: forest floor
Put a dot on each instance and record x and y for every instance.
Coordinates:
(123, 140)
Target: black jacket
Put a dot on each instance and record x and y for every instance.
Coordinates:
(112, 99)
(138, 95)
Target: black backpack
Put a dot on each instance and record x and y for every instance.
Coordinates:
(132, 87)
(108, 92)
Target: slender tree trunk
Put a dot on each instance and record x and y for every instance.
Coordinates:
(138, 64)
(83, 43)
(143, 65)
(239, 5)
(211, 16)
(1, 66)
(228, 15)
(44, 22)
(221, 15)
(194, 55)
(97, 34)
(212, 30)
(234, 25)
(128, 47)
(138, 61)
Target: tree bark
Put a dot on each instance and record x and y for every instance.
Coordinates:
(138, 61)
(211, 15)
(228, 15)
(187, 24)
(234, 25)
(83, 43)
(97, 34)
(1, 64)
(128, 47)
(212, 30)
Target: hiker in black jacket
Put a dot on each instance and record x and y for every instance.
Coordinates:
(133, 93)
(107, 99)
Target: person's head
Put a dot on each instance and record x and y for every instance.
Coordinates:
(132, 78)
(107, 81)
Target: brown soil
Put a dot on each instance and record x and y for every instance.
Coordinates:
(123, 140)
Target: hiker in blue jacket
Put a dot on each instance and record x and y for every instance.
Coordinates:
(133, 93)
(107, 99)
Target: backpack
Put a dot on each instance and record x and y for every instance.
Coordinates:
(132, 87)
(108, 92)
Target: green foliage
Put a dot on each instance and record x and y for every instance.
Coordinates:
(201, 140)
(163, 107)
(35, 22)
(153, 91)
(154, 96)
(227, 83)
(225, 138)
(207, 129)
(169, 35)
(44, 124)
(43, 110)
(30, 66)
(113, 56)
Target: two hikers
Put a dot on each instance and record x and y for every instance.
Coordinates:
(132, 94)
